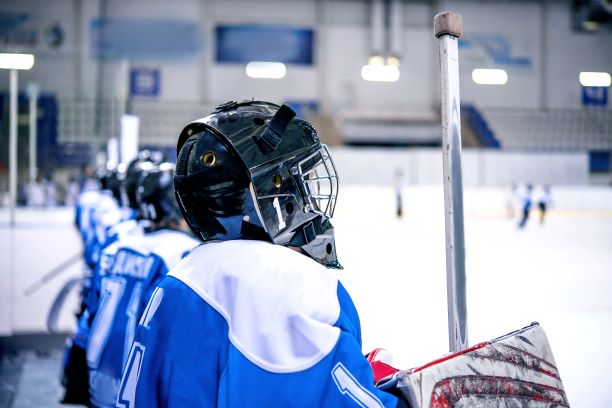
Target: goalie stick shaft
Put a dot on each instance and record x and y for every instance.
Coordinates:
(447, 28)
(58, 270)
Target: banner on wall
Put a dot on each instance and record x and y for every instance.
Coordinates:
(138, 38)
(595, 96)
(242, 43)
(29, 32)
(513, 53)
(144, 82)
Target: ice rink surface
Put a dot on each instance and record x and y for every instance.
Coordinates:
(558, 273)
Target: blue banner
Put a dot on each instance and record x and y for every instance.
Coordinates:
(132, 38)
(594, 96)
(496, 50)
(144, 82)
(244, 43)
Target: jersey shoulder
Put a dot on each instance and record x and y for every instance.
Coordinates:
(271, 297)
(170, 245)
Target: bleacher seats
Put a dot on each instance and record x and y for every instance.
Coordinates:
(553, 129)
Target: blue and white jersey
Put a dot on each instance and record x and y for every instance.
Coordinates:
(249, 323)
(124, 232)
(129, 270)
(84, 208)
(106, 215)
(89, 215)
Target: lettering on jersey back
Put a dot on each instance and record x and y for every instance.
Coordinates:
(130, 263)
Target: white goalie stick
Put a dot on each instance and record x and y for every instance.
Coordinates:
(515, 370)
(447, 28)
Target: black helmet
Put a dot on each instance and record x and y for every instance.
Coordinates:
(251, 170)
(146, 161)
(114, 182)
(102, 174)
(156, 197)
(110, 179)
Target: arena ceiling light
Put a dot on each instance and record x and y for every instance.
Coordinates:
(266, 70)
(489, 76)
(595, 79)
(16, 61)
(380, 73)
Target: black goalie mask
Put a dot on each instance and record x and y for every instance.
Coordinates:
(251, 170)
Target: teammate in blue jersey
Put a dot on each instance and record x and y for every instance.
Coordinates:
(253, 317)
(102, 216)
(129, 271)
(74, 376)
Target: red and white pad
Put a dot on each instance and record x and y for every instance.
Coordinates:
(517, 369)
(380, 360)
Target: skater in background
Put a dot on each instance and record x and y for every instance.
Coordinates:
(399, 181)
(72, 192)
(527, 201)
(544, 200)
(87, 180)
(513, 200)
(50, 191)
(35, 193)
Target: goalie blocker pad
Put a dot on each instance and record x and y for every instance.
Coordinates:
(515, 370)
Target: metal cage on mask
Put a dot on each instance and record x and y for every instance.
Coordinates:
(320, 181)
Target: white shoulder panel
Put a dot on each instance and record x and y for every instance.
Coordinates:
(170, 245)
(280, 305)
(125, 229)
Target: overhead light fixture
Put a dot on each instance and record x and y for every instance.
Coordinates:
(16, 61)
(380, 73)
(595, 79)
(394, 61)
(376, 60)
(267, 70)
(489, 76)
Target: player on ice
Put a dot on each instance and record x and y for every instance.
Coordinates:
(526, 205)
(544, 199)
(513, 201)
(129, 271)
(253, 317)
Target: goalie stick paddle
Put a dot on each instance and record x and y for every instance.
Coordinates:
(447, 28)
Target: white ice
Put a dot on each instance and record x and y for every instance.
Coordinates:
(558, 273)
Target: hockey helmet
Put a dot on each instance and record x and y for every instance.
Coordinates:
(251, 170)
(114, 183)
(111, 178)
(146, 161)
(156, 197)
